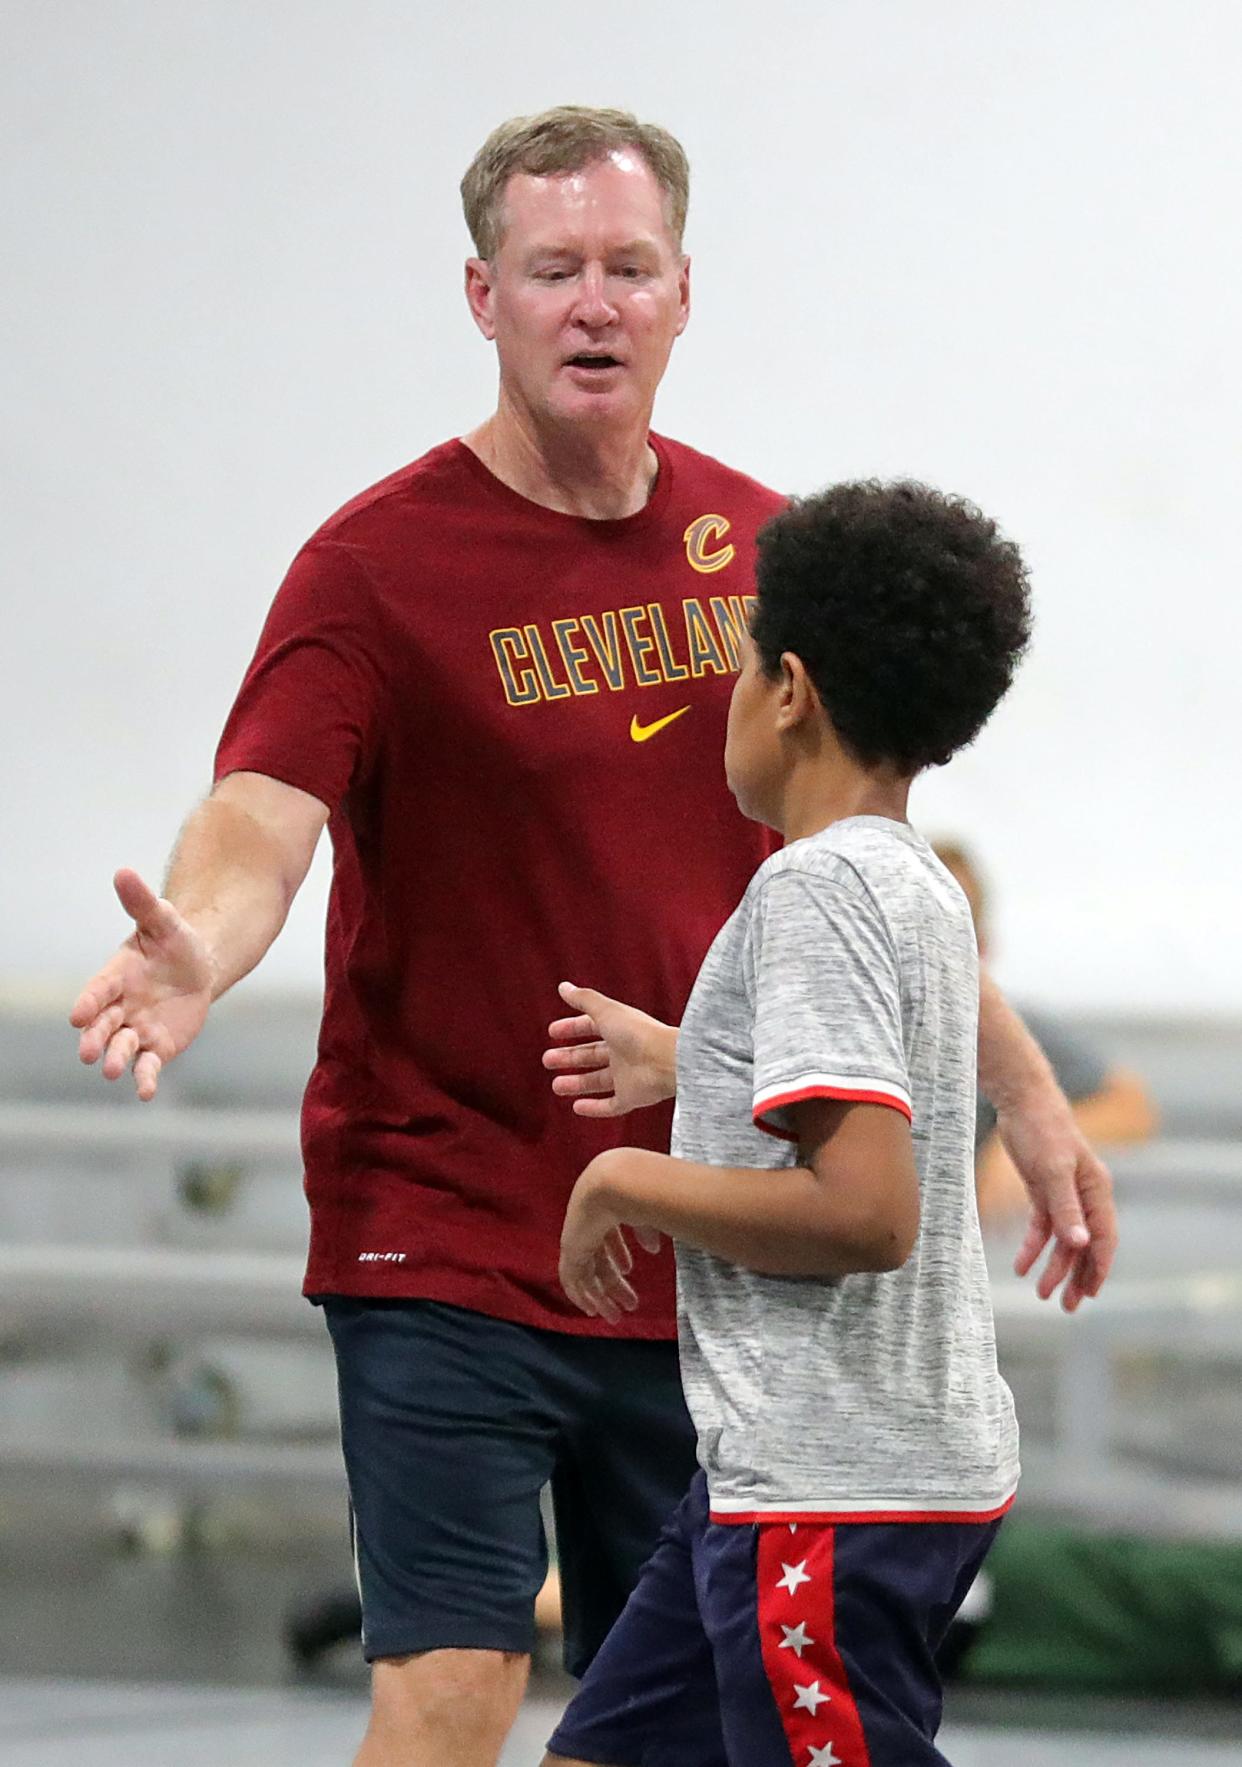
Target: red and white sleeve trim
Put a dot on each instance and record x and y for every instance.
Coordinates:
(844, 1086)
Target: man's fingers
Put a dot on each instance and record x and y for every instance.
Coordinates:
(1080, 1269)
(1065, 1210)
(1075, 1290)
(98, 993)
(147, 1074)
(1095, 1185)
(1084, 1280)
(572, 1030)
(1038, 1233)
(582, 1055)
(121, 1051)
(1086, 1236)
(95, 1038)
(1060, 1263)
(155, 1036)
(1090, 1271)
(1096, 1265)
(153, 917)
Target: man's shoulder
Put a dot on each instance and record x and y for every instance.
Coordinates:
(699, 470)
(441, 477)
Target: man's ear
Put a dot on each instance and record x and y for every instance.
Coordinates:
(683, 292)
(480, 287)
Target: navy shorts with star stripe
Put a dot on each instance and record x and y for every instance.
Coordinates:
(771, 1643)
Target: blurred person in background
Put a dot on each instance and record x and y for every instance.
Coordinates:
(500, 679)
(1111, 1105)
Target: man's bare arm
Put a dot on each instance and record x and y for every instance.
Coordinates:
(239, 862)
(1121, 1112)
(1070, 1189)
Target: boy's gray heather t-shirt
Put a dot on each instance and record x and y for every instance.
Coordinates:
(848, 971)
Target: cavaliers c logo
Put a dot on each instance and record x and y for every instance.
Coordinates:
(702, 539)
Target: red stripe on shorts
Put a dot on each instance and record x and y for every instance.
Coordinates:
(797, 1632)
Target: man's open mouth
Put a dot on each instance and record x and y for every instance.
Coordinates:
(590, 360)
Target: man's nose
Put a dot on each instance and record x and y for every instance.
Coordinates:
(593, 306)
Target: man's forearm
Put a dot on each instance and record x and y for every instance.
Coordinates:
(780, 1223)
(228, 878)
(1121, 1111)
(1012, 1067)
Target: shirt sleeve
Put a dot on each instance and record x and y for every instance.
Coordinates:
(308, 710)
(826, 997)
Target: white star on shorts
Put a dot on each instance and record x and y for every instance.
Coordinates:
(794, 1575)
(823, 1757)
(810, 1698)
(796, 1638)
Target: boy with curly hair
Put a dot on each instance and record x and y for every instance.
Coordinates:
(857, 1444)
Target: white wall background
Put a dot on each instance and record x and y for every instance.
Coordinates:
(990, 243)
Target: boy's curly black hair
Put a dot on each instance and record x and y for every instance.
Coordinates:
(907, 608)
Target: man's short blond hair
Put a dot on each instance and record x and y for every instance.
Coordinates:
(567, 139)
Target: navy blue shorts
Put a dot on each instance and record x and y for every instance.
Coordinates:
(758, 1645)
(452, 1423)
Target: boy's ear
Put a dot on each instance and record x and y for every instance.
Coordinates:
(798, 698)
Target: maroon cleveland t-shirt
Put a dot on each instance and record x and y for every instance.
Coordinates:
(516, 719)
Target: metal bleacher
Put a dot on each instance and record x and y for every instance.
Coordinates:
(152, 1330)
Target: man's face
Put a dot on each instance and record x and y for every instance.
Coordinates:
(585, 293)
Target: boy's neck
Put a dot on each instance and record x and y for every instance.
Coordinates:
(815, 799)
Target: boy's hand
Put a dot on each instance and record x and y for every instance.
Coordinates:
(1072, 1204)
(595, 1258)
(629, 1062)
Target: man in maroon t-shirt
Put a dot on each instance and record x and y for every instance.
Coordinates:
(500, 678)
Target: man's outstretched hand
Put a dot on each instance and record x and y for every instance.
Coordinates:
(1072, 1206)
(610, 1058)
(150, 1002)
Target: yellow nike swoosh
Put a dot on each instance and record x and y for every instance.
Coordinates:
(640, 732)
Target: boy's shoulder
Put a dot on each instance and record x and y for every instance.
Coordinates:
(886, 867)
(858, 853)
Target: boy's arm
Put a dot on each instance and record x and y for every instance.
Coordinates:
(630, 1061)
(851, 1204)
(610, 1058)
(1070, 1189)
